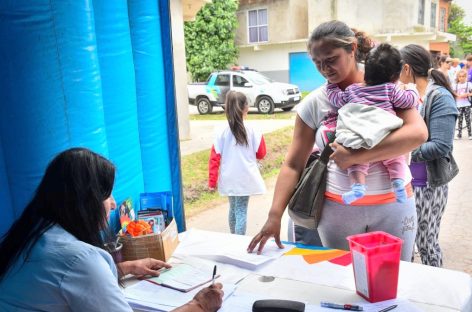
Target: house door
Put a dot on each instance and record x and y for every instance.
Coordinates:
(303, 73)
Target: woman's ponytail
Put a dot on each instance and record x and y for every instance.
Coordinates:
(421, 63)
(364, 45)
(440, 79)
(234, 108)
(340, 35)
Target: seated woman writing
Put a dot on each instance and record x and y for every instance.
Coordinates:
(53, 257)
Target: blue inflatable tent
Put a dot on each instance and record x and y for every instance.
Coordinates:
(90, 73)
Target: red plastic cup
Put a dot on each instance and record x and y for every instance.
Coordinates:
(376, 262)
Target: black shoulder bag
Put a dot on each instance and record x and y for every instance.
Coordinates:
(306, 204)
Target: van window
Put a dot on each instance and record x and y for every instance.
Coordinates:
(222, 80)
(239, 81)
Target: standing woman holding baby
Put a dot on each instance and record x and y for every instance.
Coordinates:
(336, 51)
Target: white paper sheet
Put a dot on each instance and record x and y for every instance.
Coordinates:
(183, 276)
(403, 305)
(452, 297)
(226, 248)
(228, 274)
(296, 268)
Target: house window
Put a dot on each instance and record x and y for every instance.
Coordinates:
(257, 26)
(433, 14)
(421, 12)
(442, 19)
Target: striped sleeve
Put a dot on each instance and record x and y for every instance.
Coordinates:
(404, 99)
(336, 96)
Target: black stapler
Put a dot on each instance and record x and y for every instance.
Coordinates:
(277, 305)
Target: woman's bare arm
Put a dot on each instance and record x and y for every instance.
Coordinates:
(401, 141)
(295, 160)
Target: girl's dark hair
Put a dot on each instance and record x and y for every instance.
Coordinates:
(340, 35)
(383, 65)
(421, 63)
(70, 194)
(234, 108)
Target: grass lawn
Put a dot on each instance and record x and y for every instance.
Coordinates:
(195, 171)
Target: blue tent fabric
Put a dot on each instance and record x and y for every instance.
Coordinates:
(7, 215)
(150, 91)
(172, 121)
(119, 99)
(49, 86)
(90, 73)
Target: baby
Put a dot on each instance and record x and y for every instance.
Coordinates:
(382, 70)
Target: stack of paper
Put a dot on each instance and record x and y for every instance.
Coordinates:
(195, 243)
(146, 296)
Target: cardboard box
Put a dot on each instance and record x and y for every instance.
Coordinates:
(158, 246)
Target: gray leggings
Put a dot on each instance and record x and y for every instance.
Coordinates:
(339, 221)
(237, 216)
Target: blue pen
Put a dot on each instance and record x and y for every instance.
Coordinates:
(350, 307)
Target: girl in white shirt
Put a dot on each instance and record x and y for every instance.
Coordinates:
(235, 152)
(463, 90)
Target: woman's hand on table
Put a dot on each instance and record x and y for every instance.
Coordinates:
(143, 267)
(270, 229)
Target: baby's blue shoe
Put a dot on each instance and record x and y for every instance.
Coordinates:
(357, 191)
(400, 191)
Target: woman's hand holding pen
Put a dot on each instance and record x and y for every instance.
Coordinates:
(143, 267)
(209, 299)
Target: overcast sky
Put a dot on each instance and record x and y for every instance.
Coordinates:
(467, 6)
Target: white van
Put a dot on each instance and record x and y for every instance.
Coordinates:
(261, 91)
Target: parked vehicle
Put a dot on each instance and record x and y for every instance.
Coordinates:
(261, 91)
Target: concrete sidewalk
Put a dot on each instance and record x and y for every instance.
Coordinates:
(456, 230)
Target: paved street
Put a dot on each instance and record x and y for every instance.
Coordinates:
(456, 231)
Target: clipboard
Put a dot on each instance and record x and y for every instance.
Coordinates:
(183, 277)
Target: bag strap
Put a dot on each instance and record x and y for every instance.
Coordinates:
(327, 151)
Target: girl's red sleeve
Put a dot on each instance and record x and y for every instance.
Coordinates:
(213, 168)
(261, 152)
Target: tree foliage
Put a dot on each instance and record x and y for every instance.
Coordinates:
(209, 40)
(455, 13)
(463, 45)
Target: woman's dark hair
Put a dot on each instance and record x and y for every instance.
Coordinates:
(421, 64)
(234, 108)
(383, 64)
(340, 35)
(442, 59)
(70, 194)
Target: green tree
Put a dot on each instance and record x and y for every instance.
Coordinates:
(209, 40)
(463, 44)
(455, 13)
